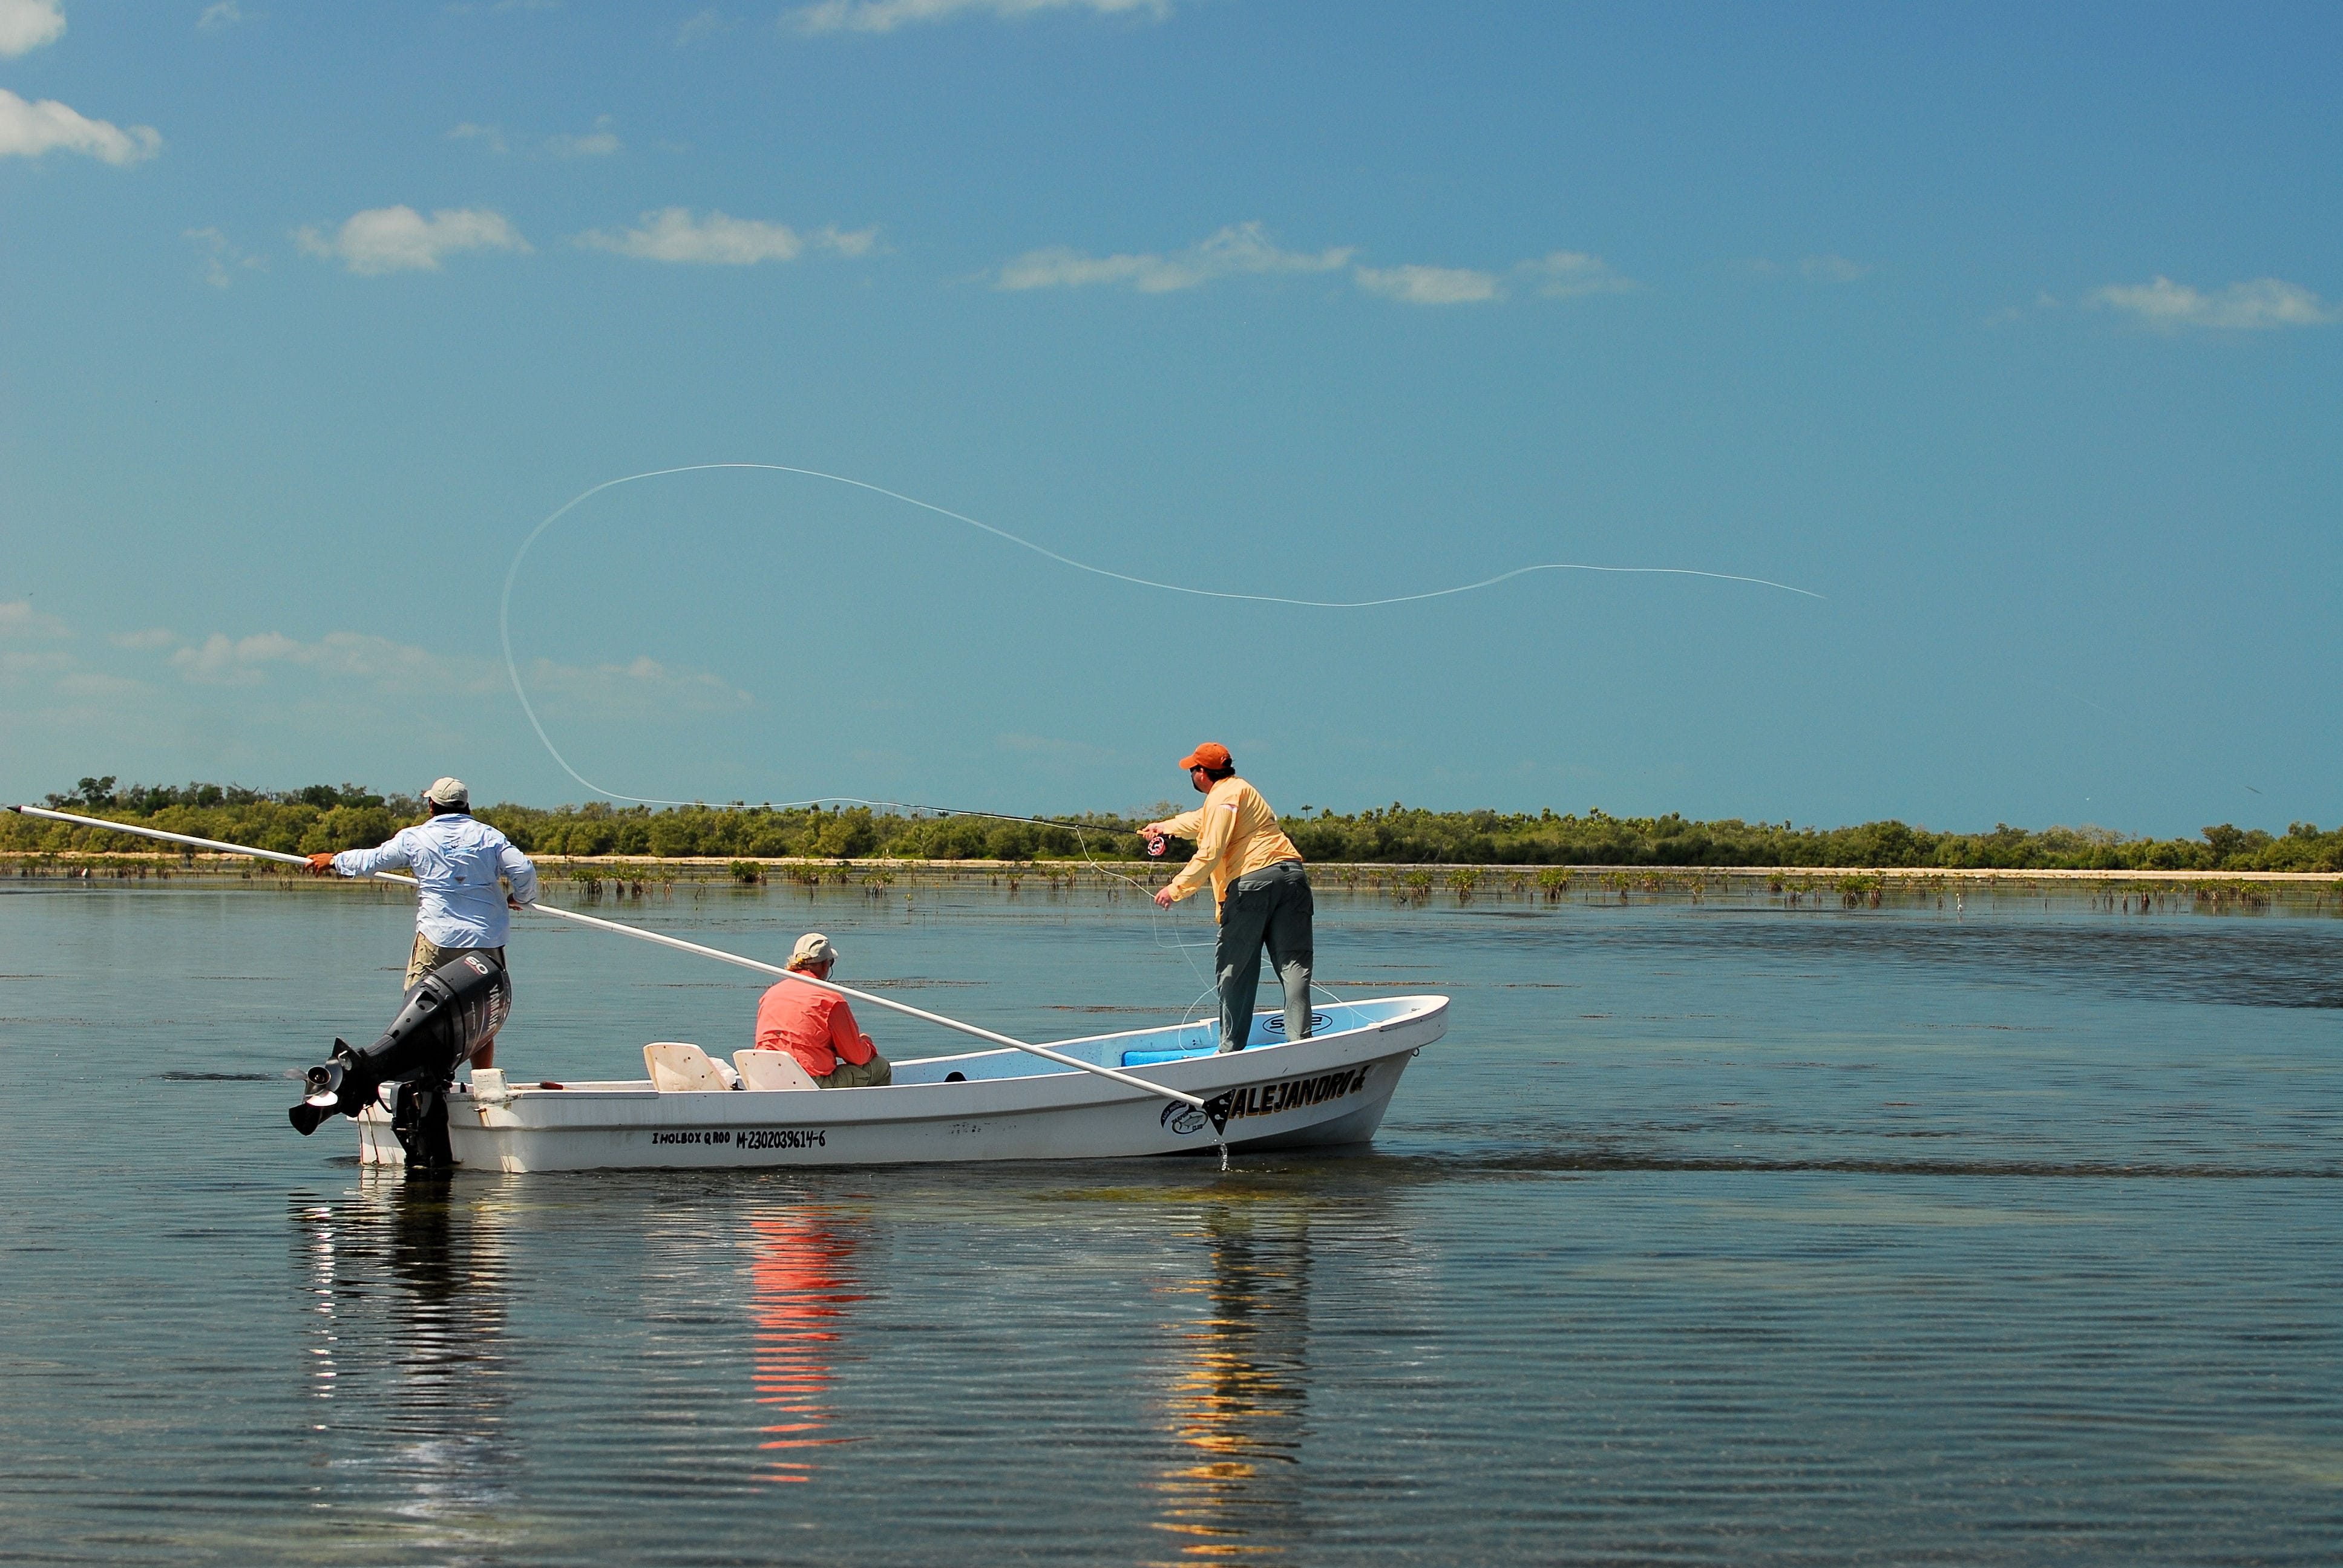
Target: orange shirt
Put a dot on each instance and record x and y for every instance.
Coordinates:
(1235, 833)
(812, 1024)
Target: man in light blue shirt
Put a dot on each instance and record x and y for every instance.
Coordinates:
(459, 907)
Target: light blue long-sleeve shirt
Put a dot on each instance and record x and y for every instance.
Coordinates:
(457, 861)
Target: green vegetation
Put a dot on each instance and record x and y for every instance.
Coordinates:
(1398, 833)
(295, 821)
(344, 817)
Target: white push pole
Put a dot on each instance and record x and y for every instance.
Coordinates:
(665, 942)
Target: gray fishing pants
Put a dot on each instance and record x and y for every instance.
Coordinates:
(1271, 906)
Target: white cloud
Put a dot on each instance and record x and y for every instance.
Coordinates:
(221, 14)
(1831, 269)
(1823, 268)
(1246, 248)
(1239, 248)
(2263, 303)
(705, 24)
(152, 638)
(222, 254)
(31, 660)
(490, 136)
(1051, 749)
(29, 130)
(642, 686)
(18, 618)
(26, 24)
(2009, 312)
(97, 683)
(718, 239)
(222, 660)
(1568, 274)
(886, 15)
(600, 141)
(1432, 285)
(17, 667)
(399, 238)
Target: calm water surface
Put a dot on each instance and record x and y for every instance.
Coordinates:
(1708, 1235)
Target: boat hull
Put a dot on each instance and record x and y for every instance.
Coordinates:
(1332, 1089)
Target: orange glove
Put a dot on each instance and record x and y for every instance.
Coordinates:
(321, 865)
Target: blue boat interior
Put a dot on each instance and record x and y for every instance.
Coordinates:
(1148, 1048)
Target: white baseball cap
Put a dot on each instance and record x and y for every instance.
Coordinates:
(449, 792)
(813, 948)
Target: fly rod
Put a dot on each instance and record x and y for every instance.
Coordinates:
(666, 942)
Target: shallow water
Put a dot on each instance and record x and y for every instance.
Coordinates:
(1708, 1235)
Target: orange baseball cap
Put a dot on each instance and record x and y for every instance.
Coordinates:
(1210, 754)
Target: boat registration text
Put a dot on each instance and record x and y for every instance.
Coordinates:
(751, 1138)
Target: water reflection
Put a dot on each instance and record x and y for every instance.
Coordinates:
(1236, 1391)
(802, 1280)
(406, 1283)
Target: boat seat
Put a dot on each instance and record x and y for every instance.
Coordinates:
(680, 1069)
(1151, 1058)
(772, 1069)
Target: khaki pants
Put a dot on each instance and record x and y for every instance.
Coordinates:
(875, 1073)
(429, 955)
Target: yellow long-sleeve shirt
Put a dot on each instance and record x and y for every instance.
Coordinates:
(1235, 832)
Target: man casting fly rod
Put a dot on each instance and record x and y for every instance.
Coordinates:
(1260, 892)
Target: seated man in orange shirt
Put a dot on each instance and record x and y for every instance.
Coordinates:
(817, 1027)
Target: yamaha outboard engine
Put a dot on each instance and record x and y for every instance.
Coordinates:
(450, 1014)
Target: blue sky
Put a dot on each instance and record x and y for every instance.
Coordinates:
(2012, 333)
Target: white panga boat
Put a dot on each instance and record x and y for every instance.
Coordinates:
(1331, 1089)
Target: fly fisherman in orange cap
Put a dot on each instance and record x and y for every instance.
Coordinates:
(1262, 894)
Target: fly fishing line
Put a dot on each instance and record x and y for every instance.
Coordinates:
(512, 666)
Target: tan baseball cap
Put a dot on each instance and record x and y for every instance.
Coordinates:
(449, 792)
(814, 949)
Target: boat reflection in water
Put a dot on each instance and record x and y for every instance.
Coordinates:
(404, 1286)
(802, 1280)
(1235, 1388)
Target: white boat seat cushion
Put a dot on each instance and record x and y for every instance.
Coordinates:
(771, 1070)
(680, 1069)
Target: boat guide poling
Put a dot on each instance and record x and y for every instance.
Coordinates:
(1151, 1092)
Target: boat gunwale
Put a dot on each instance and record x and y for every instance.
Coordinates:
(1063, 1089)
(1429, 999)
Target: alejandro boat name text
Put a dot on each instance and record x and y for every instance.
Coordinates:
(1269, 1099)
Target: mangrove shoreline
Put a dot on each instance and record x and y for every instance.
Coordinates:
(591, 880)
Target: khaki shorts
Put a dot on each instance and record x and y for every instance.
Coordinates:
(875, 1073)
(429, 955)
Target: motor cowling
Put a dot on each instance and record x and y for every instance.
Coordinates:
(446, 1018)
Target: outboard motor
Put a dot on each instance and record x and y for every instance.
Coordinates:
(448, 1015)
